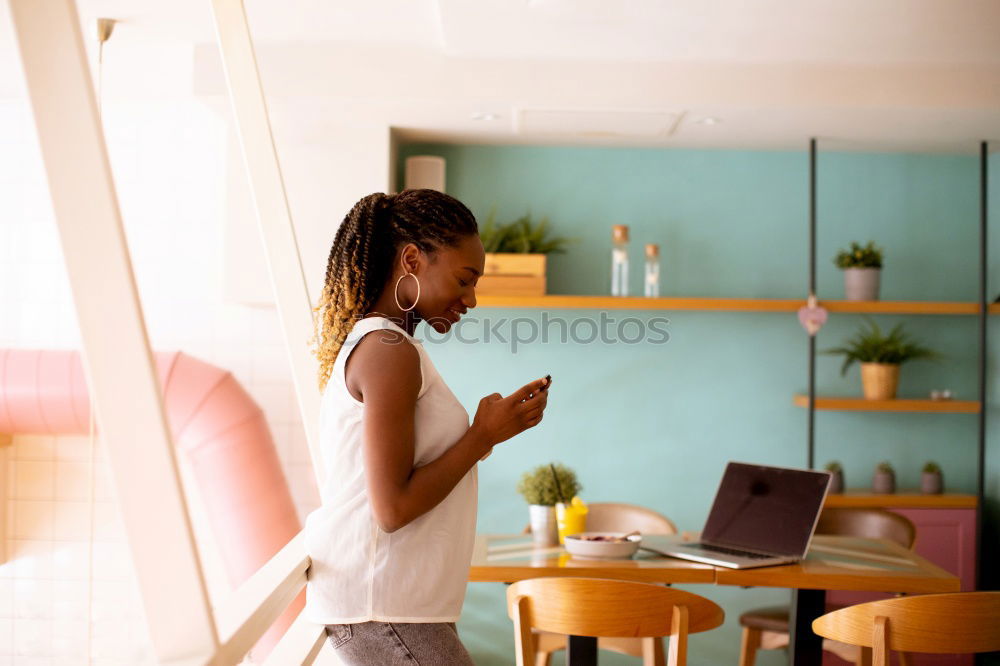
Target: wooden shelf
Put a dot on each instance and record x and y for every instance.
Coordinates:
(897, 405)
(640, 303)
(570, 301)
(902, 307)
(910, 500)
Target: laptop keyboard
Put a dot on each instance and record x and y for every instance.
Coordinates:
(728, 551)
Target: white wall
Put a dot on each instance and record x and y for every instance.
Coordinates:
(67, 582)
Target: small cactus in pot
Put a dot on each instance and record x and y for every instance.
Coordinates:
(931, 480)
(836, 476)
(884, 480)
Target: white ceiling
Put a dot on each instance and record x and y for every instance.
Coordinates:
(845, 31)
(879, 74)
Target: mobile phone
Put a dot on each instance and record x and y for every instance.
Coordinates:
(548, 382)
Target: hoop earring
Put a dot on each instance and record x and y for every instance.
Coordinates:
(395, 292)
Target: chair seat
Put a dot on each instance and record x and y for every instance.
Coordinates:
(611, 609)
(773, 618)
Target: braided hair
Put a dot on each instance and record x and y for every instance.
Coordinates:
(360, 262)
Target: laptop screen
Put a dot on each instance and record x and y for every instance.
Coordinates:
(770, 509)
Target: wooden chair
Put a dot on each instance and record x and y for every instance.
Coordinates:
(962, 622)
(607, 608)
(767, 628)
(618, 517)
(613, 517)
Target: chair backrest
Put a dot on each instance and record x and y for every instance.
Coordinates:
(616, 517)
(939, 623)
(608, 608)
(867, 523)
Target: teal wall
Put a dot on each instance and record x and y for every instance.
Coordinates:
(654, 424)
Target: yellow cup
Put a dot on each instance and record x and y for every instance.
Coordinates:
(571, 518)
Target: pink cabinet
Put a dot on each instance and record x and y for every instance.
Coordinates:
(946, 535)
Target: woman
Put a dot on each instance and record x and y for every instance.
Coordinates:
(392, 542)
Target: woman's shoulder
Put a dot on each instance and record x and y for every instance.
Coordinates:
(380, 333)
(386, 347)
(384, 357)
(381, 325)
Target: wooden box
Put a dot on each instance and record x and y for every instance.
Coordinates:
(510, 274)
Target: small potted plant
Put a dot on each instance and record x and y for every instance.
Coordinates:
(931, 481)
(516, 256)
(836, 476)
(862, 265)
(880, 356)
(884, 480)
(542, 490)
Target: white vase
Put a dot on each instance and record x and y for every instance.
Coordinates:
(543, 525)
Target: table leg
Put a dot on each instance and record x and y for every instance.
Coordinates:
(581, 651)
(806, 647)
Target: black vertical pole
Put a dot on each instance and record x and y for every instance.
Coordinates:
(581, 651)
(804, 646)
(983, 312)
(812, 290)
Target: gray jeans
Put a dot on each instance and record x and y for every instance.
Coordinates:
(390, 643)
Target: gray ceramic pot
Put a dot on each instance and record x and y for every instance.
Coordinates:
(836, 482)
(931, 483)
(544, 532)
(884, 483)
(861, 284)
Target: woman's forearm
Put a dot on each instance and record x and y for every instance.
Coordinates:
(429, 484)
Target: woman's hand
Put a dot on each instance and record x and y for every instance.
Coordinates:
(498, 418)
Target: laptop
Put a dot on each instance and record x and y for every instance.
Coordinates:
(761, 516)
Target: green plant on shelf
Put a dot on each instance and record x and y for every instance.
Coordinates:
(884, 467)
(859, 256)
(521, 236)
(931, 467)
(871, 345)
(833, 467)
(538, 487)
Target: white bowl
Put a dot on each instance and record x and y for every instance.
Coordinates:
(580, 547)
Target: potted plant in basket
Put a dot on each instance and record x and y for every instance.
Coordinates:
(880, 356)
(862, 266)
(931, 481)
(884, 480)
(836, 476)
(516, 256)
(539, 488)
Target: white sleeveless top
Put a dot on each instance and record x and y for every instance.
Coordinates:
(359, 572)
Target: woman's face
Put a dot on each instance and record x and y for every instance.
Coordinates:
(448, 282)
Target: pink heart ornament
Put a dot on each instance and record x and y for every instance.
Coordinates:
(812, 316)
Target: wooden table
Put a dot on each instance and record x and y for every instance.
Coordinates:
(833, 563)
